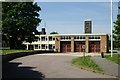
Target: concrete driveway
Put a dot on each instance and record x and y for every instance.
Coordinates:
(46, 66)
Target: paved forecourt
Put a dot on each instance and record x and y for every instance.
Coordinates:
(48, 66)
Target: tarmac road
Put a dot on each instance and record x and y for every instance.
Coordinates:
(46, 66)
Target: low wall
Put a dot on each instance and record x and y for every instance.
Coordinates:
(9, 57)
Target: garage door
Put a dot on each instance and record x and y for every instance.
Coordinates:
(65, 47)
(94, 46)
(78, 46)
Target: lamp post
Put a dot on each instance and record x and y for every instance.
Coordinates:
(111, 32)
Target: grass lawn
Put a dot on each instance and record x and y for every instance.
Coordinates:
(115, 58)
(8, 51)
(86, 63)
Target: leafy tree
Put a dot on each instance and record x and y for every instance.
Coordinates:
(54, 32)
(19, 22)
(18, 0)
(116, 32)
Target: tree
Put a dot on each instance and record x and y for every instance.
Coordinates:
(116, 32)
(54, 32)
(19, 22)
(17, 0)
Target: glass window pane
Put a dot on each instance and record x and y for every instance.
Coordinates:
(66, 37)
(92, 37)
(50, 46)
(74, 37)
(36, 46)
(69, 37)
(77, 37)
(50, 38)
(83, 37)
(43, 46)
(98, 37)
(80, 37)
(42, 38)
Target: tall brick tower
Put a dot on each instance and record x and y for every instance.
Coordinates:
(88, 26)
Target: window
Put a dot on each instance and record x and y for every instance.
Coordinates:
(50, 38)
(94, 37)
(65, 37)
(77, 37)
(62, 37)
(42, 38)
(90, 37)
(83, 37)
(98, 37)
(36, 46)
(43, 46)
(50, 46)
(69, 37)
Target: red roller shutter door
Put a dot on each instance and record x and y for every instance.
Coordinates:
(78, 46)
(94, 46)
(65, 47)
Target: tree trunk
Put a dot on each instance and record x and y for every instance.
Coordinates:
(15, 43)
(12, 43)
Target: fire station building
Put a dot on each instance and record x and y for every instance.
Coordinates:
(87, 42)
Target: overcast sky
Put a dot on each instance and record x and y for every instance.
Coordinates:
(68, 17)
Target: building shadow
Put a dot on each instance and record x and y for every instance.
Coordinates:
(12, 71)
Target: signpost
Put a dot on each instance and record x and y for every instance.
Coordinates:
(83, 47)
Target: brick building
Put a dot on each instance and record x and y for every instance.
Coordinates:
(87, 42)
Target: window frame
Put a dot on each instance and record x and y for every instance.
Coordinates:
(42, 46)
(42, 38)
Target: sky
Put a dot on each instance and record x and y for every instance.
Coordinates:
(68, 17)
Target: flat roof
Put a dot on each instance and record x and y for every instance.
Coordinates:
(71, 34)
(87, 20)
